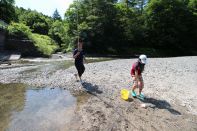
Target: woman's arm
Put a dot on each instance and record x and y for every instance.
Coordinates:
(84, 59)
(75, 56)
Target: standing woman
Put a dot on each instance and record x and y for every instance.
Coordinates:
(79, 57)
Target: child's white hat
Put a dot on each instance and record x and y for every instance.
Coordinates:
(143, 59)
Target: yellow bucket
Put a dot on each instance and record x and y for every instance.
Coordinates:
(125, 94)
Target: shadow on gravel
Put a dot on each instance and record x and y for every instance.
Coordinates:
(92, 89)
(162, 104)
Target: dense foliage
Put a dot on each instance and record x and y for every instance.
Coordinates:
(7, 10)
(122, 27)
(56, 15)
(44, 44)
(19, 30)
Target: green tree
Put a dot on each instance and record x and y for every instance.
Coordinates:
(93, 20)
(131, 25)
(7, 10)
(141, 4)
(109, 26)
(138, 4)
(129, 3)
(19, 30)
(56, 15)
(169, 23)
(193, 22)
(58, 32)
(36, 21)
(193, 6)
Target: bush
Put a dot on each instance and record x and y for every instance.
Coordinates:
(44, 44)
(59, 33)
(19, 31)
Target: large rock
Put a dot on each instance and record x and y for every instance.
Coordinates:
(9, 56)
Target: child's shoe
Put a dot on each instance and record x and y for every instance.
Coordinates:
(133, 93)
(141, 96)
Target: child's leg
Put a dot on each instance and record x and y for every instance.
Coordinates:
(134, 86)
(140, 84)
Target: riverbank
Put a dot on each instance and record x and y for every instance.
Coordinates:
(170, 88)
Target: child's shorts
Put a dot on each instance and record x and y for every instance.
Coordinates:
(135, 81)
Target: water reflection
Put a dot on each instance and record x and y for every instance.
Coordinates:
(43, 109)
(11, 99)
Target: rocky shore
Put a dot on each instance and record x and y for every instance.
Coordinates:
(170, 90)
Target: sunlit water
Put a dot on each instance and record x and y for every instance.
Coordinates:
(26, 109)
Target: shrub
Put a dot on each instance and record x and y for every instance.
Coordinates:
(19, 30)
(44, 44)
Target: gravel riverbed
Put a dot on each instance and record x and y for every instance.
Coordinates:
(170, 88)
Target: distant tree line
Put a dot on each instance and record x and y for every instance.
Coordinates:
(132, 26)
(120, 27)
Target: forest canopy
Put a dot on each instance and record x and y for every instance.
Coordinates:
(119, 27)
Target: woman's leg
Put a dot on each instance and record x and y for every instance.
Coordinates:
(81, 70)
(76, 74)
(78, 67)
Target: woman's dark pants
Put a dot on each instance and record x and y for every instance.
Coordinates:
(80, 68)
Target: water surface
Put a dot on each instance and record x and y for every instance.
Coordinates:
(24, 109)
